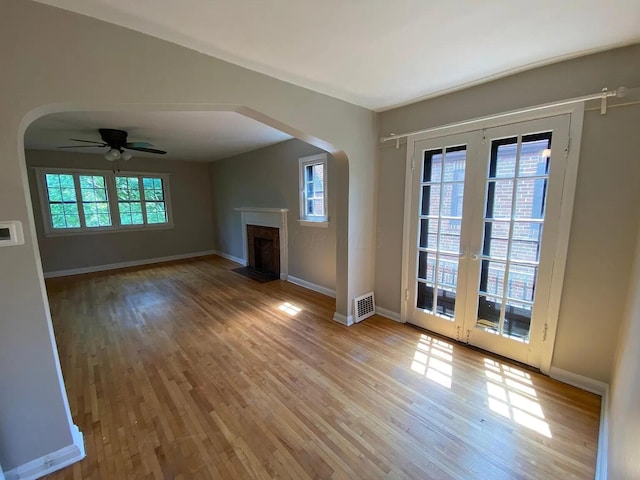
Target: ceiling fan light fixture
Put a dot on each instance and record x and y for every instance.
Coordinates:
(116, 140)
(112, 155)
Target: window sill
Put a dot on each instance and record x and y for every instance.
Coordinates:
(78, 232)
(314, 223)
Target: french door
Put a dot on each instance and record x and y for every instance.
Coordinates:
(483, 234)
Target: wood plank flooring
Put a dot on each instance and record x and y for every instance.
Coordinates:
(190, 371)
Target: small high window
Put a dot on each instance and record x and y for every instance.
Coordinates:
(313, 190)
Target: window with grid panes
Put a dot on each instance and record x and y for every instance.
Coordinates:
(63, 201)
(85, 201)
(95, 202)
(141, 200)
(154, 203)
(313, 188)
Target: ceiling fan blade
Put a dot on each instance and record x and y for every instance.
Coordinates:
(148, 150)
(84, 146)
(87, 141)
(138, 145)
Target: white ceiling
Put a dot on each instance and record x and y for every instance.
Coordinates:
(195, 136)
(379, 53)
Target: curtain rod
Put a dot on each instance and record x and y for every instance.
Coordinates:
(602, 96)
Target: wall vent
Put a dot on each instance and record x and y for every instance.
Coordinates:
(364, 307)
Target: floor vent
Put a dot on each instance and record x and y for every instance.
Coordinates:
(365, 306)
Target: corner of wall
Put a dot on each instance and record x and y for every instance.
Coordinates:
(346, 320)
(51, 462)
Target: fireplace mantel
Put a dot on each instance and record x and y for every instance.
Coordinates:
(267, 217)
(267, 210)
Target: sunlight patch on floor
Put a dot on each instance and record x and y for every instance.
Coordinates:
(433, 359)
(511, 394)
(289, 308)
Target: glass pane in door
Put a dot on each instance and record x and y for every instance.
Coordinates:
(442, 190)
(516, 189)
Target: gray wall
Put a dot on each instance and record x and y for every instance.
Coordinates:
(191, 207)
(607, 202)
(268, 178)
(624, 414)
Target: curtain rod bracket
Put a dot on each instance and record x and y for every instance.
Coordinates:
(603, 102)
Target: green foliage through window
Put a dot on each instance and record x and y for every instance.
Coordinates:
(154, 200)
(63, 206)
(131, 199)
(95, 203)
(78, 201)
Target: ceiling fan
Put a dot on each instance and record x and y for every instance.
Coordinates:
(116, 140)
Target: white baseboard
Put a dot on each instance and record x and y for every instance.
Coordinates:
(51, 462)
(395, 316)
(603, 439)
(312, 286)
(230, 257)
(580, 381)
(599, 388)
(343, 319)
(133, 263)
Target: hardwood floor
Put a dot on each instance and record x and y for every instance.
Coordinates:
(190, 371)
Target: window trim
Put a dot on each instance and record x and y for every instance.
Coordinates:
(303, 162)
(109, 176)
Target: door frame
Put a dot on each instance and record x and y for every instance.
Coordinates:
(576, 112)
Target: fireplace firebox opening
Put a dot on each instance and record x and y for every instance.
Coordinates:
(263, 248)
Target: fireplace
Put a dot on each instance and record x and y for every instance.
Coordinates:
(263, 249)
(273, 219)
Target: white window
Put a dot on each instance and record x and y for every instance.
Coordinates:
(85, 201)
(313, 190)
(141, 200)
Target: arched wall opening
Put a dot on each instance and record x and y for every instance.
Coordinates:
(74, 437)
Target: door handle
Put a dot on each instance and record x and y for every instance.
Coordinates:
(475, 256)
